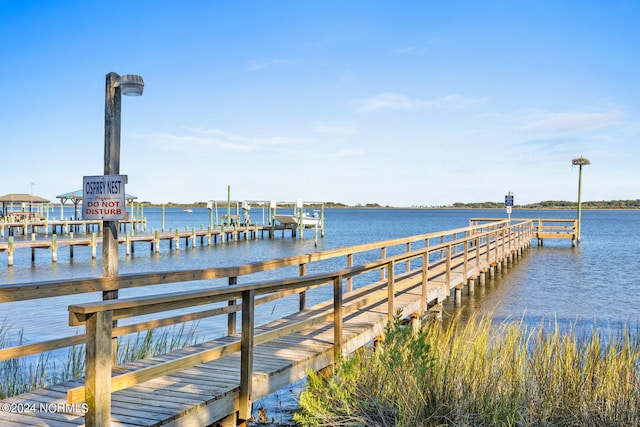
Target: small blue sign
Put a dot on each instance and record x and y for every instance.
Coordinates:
(508, 200)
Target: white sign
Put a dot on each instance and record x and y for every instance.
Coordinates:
(103, 197)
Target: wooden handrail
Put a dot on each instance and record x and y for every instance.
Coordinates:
(54, 288)
(63, 287)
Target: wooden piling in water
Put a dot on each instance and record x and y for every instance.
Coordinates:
(54, 248)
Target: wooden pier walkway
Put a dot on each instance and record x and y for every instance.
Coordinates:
(46, 227)
(191, 237)
(214, 383)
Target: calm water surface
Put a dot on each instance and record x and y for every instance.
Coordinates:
(593, 282)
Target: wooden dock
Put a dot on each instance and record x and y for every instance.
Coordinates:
(214, 383)
(205, 237)
(47, 227)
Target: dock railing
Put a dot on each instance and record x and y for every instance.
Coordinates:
(431, 255)
(544, 228)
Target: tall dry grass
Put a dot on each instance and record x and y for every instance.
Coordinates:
(480, 373)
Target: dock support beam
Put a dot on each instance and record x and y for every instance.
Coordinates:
(98, 368)
(246, 354)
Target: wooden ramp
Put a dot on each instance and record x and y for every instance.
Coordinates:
(274, 354)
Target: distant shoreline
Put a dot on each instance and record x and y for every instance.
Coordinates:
(371, 206)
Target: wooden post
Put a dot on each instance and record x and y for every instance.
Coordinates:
(350, 279)
(477, 243)
(465, 266)
(10, 250)
(383, 255)
(98, 369)
(94, 246)
(337, 319)
(425, 279)
(408, 246)
(246, 354)
(157, 241)
(302, 268)
(231, 317)
(391, 290)
(448, 267)
(54, 248)
(127, 244)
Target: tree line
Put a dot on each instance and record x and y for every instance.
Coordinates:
(547, 204)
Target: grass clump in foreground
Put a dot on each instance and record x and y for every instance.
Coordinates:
(479, 373)
(22, 375)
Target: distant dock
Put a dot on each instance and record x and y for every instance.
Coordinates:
(44, 236)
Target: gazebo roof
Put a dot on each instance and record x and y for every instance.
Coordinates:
(76, 196)
(22, 198)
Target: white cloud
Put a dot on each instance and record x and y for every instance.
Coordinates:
(336, 128)
(386, 101)
(204, 140)
(398, 101)
(568, 122)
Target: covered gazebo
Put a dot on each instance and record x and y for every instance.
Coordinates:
(75, 197)
(26, 203)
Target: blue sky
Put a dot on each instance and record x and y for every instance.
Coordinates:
(393, 102)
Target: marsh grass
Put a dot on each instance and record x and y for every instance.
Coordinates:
(17, 375)
(481, 373)
(22, 375)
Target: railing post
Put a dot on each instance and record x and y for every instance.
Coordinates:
(303, 295)
(231, 317)
(350, 279)
(488, 238)
(408, 261)
(98, 369)
(383, 255)
(337, 318)
(425, 279)
(465, 267)
(391, 290)
(246, 354)
(448, 267)
(455, 237)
